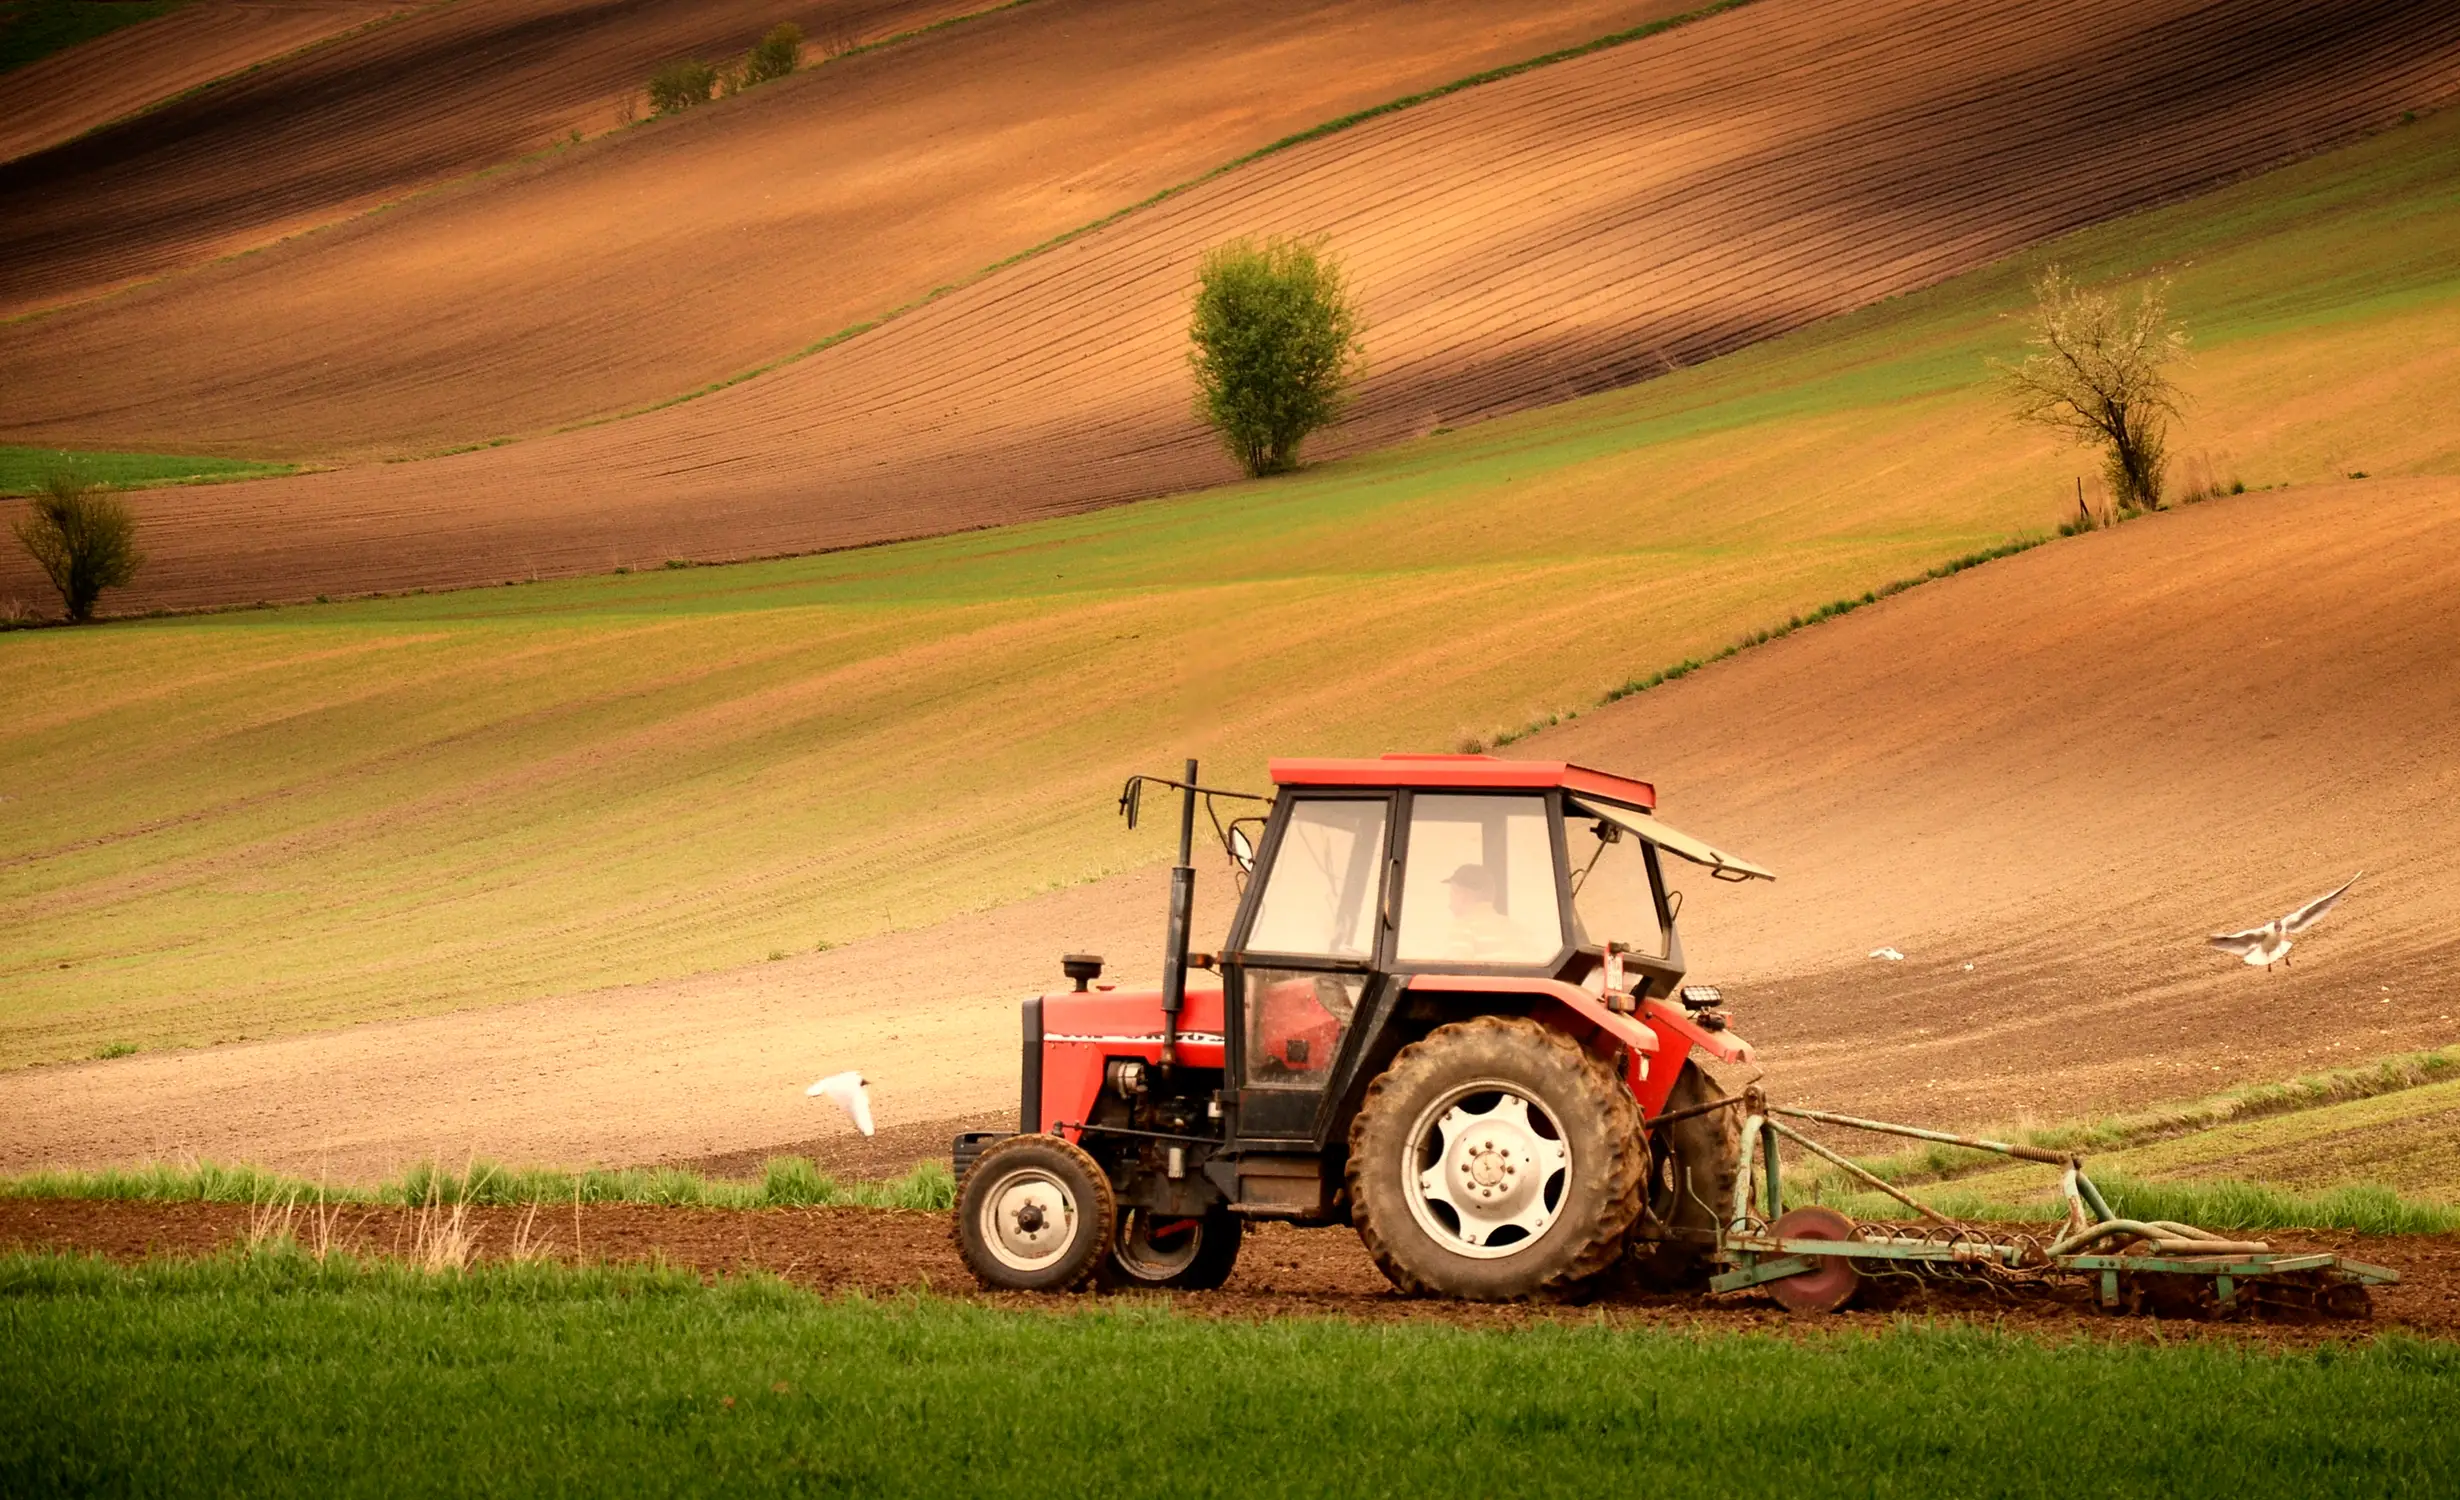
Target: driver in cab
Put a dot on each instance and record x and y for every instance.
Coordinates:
(1479, 932)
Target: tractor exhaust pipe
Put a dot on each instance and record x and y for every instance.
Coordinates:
(1182, 910)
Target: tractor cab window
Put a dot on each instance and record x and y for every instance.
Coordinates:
(1481, 886)
(1322, 895)
(1295, 1022)
(1612, 899)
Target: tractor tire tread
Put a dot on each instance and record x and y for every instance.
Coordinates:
(1601, 1092)
(1105, 1209)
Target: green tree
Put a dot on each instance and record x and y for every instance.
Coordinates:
(774, 56)
(84, 538)
(2098, 375)
(1276, 347)
(681, 84)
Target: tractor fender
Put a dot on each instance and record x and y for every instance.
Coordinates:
(1567, 1007)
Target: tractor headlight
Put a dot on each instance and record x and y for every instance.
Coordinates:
(1702, 996)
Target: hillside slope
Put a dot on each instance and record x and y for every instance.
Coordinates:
(64, 95)
(319, 815)
(444, 91)
(2062, 769)
(1576, 227)
(2045, 782)
(658, 259)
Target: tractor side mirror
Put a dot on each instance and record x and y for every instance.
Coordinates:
(1242, 850)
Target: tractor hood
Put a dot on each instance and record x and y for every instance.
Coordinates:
(1721, 864)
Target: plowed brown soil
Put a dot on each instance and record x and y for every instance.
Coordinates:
(1560, 231)
(1282, 1271)
(447, 90)
(69, 93)
(2062, 769)
(654, 262)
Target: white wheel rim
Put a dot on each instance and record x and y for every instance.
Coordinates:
(1028, 1219)
(1486, 1170)
(1142, 1259)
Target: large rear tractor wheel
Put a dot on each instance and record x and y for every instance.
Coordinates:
(1035, 1214)
(1175, 1253)
(1690, 1188)
(1495, 1159)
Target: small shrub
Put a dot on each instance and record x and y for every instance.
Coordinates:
(1276, 348)
(84, 539)
(681, 84)
(773, 56)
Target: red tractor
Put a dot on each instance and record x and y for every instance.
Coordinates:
(1450, 1013)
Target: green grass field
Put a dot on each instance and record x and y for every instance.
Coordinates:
(23, 470)
(314, 815)
(277, 1375)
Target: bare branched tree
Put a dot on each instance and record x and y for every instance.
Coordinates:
(2097, 374)
(84, 538)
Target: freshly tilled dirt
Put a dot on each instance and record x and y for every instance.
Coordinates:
(1567, 230)
(440, 92)
(1283, 1272)
(116, 76)
(516, 301)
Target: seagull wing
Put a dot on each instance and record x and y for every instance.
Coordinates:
(2241, 943)
(2312, 912)
(849, 1093)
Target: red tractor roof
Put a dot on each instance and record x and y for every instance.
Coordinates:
(1473, 772)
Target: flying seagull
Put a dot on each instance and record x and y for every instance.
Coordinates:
(851, 1095)
(2269, 944)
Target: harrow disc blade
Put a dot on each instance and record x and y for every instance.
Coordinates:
(1828, 1285)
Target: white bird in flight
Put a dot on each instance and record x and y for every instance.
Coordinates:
(2269, 944)
(851, 1094)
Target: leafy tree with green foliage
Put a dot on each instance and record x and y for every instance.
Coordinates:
(1276, 347)
(84, 538)
(2098, 375)
(773, 56)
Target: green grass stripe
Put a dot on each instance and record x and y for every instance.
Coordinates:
(2217, 1204)
(280, 1375)
(23, 470)
(785, 1182)
(2408, 1070)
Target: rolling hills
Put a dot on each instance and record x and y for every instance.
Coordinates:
(626, 269)
(1574, 227)
(325, 132)
(325, 814)
(60, 97)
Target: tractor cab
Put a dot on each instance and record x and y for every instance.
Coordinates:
(1399, 920)
(1395, 889)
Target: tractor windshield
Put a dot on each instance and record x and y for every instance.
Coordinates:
(1480, 885)
(1326, 883)
(1611, 894)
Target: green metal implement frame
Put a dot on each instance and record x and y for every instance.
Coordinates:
(2093, 1243)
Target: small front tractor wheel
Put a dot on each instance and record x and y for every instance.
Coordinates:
(1035, 1214)
(1495, 1159)
(1172, 1252)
